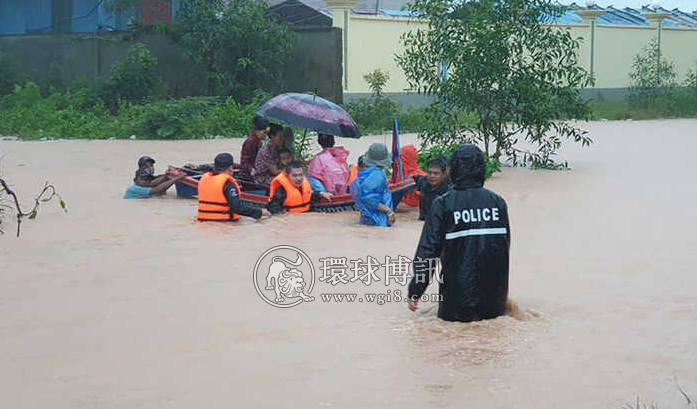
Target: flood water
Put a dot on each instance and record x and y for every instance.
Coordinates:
(132, 304)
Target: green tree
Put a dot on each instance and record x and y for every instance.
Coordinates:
(691, 81)
(377, 79)
(241, 47)
(501, 61)
(133, 79)
(649, 78)
(376, 113)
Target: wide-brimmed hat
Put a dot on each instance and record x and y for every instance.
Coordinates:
(377, 155)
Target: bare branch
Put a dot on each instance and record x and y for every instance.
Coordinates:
(48, 190)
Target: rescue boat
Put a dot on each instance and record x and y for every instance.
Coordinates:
(188, 187)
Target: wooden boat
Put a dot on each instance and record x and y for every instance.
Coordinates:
(188, 187)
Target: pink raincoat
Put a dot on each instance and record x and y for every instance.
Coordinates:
(331, 168)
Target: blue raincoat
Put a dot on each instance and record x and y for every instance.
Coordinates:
(316, 184)
(370, 190)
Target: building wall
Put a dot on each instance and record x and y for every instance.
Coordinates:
(615, 49)
(19, 17)
(316, 67)
(93, 55)
(680, 46)
(22, 16)
(373, 43)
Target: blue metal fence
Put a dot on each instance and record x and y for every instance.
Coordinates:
(36, 16)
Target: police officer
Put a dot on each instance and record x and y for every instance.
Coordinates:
(468, 230)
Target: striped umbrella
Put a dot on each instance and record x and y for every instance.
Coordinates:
(312, 113)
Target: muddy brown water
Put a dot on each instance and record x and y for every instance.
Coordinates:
(129, 303)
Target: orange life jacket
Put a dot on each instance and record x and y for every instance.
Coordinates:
(353, 175)
(296, 201)
(410, 163)
(212, 203)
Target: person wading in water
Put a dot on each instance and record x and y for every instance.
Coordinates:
(468, 230)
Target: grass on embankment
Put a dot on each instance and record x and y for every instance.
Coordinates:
(663, 108)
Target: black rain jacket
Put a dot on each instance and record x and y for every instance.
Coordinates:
(468, 230)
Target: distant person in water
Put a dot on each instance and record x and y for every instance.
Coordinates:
(291, 191)
(251, 146)
(434, 184)
(370, 191)
(146, 184)
(468, 230)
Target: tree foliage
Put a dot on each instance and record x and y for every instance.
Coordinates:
(133, 79)
(376, 113)
(649, 77)
(241, 47)
(499, 61)
(377, 79)
(691, 81)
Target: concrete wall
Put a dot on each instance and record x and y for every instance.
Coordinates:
(93, 55)
(373, 43)
(679, 45)
(77, 53)
(614, 52)
(406, 99)
(317, 65)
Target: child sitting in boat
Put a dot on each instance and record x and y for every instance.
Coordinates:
(285, 157)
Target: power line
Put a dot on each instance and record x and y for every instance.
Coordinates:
(53, 24)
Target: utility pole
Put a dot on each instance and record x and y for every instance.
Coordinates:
(589, 15)
(656, 17)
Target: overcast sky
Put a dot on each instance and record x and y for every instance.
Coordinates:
(685, 5)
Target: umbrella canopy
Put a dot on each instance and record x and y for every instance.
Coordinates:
(311, 112)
